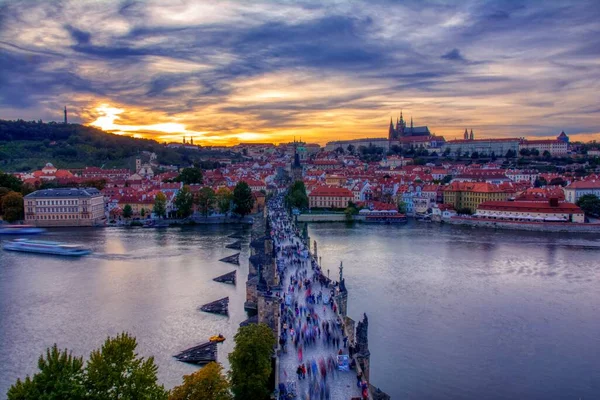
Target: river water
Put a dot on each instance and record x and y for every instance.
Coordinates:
(453, 312)
(463, 313)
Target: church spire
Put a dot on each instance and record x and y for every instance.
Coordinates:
(466, 135)
(65, 115)
(472, 135)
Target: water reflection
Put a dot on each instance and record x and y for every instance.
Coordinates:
(465, 313)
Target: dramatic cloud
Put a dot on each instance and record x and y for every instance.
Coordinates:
(266, 71)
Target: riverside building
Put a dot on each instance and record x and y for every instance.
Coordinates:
(65, 207)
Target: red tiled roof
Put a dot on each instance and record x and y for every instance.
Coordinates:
(326, 191)
(584, 185)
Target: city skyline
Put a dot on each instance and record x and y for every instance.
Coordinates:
(271, 71)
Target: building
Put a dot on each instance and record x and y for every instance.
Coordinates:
(329, 197)
(555, 147)
(356, 143)
(580, 188)
(402, 131)
(65, 207)
(483, 147)
(530, 211)
(471, 194)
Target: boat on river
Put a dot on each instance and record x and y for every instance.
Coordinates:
(20, 230)
(44, 247)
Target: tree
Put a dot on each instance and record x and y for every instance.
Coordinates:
(251, 362)
(224, 197)
(61, 377)
(205, 199)
(3, 192)
(447, 179)
(351, 211)
(127, 211)
(464, 211)
(12, 206)
(143, 212)
(590, 204)
(401, 207)
(511, 153)
(10, 181)
(475, 155)
(351, 148)
(190, 176)
(184, 201)
(160, 205)
(296, 196)
(208, 383)
(116, 372)
(546, 154)
(558, 181)
(493, 156)
(242, 198)
(540, 181)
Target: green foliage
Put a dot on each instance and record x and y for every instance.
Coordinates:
(351, 211)
(401, 207)
(242, 198)
(116, 372)
(184, 201)
(464, 211)
(3, 192)
(205, 199)
(127, 211)
(590, 204)
(446, 179)
(12, 206)
(160, 205)
(510, 154)
(251, 362)
(143, 212)
(208, 383)
(27, 145)
(296, 196)
(61, 377)
(540, 181)
(224, 198)
(10, 181)
(190, 176)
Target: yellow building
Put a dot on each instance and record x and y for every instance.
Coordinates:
(471, 194)
(65, 207)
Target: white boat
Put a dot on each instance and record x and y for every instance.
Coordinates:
(20, 230)
(43, 247)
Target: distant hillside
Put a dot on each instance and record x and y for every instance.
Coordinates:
(28, 145)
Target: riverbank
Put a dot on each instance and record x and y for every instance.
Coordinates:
(525, 226)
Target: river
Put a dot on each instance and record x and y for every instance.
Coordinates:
(453, 312)
(464, 313)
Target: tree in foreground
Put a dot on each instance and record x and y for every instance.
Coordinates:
(61, 376)
(205, 199)
(251, 362)
(127, 211)
(160, 205)
(12, 206)
(242, 198)
(208, 383)
(10, 181)
(115, 371)
(224, 197)
(184, 201)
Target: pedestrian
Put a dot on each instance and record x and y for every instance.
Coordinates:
(358, 378)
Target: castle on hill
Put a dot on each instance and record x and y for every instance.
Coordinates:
(402, 131)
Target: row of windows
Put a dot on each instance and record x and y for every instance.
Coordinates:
(56, 209)
(58, 202)
(55, 217)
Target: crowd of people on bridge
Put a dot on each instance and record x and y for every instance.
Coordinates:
(309, 321)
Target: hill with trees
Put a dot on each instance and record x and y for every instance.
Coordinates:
(29, 145)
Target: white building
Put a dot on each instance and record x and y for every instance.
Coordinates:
(577, 189)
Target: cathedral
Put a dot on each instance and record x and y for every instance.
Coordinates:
(402, 131)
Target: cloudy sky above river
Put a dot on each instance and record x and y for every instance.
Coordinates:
(230, 71)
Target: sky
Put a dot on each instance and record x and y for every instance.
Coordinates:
(223, 72)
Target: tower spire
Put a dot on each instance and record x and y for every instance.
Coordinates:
(65, 115)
